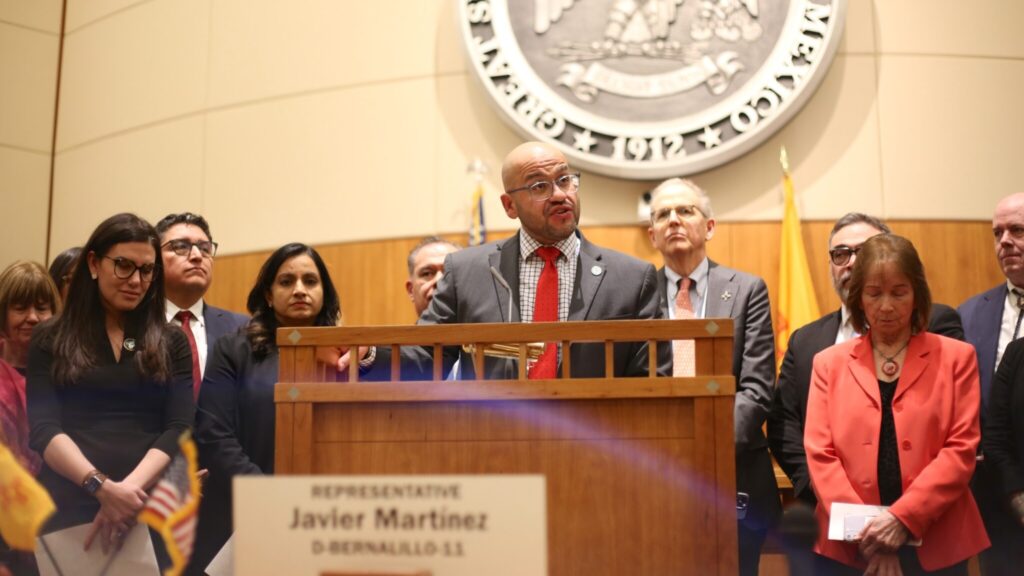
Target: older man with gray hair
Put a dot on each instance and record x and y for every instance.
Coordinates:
(692, 286)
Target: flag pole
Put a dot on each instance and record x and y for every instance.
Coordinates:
(477, 227)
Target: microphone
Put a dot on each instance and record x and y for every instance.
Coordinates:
(501, 280)
(799, 532)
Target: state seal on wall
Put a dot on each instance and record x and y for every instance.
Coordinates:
(647, 89)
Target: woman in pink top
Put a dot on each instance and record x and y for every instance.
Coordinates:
(27, 297)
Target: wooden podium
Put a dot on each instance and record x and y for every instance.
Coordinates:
(640, 471)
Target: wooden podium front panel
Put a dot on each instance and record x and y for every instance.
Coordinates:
(634, 486)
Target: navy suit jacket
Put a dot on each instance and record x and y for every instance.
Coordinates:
(221, 322)
(982, 316)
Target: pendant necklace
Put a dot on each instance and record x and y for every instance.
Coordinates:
(890, 367)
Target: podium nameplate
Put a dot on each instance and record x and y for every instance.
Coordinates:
(438, 525)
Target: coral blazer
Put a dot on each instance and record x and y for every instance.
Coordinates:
(935, 409)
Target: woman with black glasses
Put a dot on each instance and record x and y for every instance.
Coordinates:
(109, 384)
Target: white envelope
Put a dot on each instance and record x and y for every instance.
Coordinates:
(135, 558)
(845, 521)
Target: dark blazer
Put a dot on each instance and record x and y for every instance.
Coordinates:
(235, 423)
(220, 323)
(982, 315)
(744, 298)
(1003, 436)
(789, 407)
(608, 286)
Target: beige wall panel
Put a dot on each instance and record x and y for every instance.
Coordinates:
(859, 33)
(264, 49)
(150, 172)
(43, 15)
(469, 127)
(24, 194)
(950, 133)
(28, 79)
(947, 27)
(137, 67)
(85, 12)
(328, 167)
(451, 54)
(833, 153)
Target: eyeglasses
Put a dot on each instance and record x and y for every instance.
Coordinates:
(544, 189)
(683, 211)
(125, 269)
(183, 247)
(842, 254)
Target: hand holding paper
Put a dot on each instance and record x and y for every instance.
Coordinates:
(883, 534)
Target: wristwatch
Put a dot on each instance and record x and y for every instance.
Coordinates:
(93, 481)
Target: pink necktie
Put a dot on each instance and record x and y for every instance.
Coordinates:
(185, 317)
(684, 352)
(545, 309)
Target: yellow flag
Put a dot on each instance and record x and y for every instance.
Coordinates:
(797, 303)
(24, 504)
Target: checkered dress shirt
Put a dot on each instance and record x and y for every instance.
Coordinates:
(530, 266)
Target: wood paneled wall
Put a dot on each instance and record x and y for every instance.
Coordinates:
(370, 276)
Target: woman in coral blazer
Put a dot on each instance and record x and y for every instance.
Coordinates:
(892, 418)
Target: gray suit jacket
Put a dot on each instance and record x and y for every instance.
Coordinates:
(608, 286)
(744, 298)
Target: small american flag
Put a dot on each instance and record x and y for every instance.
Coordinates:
(173, 504)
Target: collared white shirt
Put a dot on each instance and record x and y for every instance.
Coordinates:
(698, 289)
(531, 265)
(1009, 323)
(198, 325)
(846, 331)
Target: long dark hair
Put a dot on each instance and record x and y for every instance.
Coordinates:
(76, 341)
(262, 327)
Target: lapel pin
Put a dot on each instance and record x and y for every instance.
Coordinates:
(596, 270)
(726, 295)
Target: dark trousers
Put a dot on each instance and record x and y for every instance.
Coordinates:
(1006, 556)
(756, 478)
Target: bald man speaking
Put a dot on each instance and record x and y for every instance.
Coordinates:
(547, 272)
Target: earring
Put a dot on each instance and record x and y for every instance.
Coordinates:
(93, 276)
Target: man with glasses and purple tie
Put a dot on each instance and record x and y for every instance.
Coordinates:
(693, 286)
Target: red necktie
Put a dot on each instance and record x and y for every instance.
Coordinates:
(545, 309)
(684, 353)
(185, 317)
